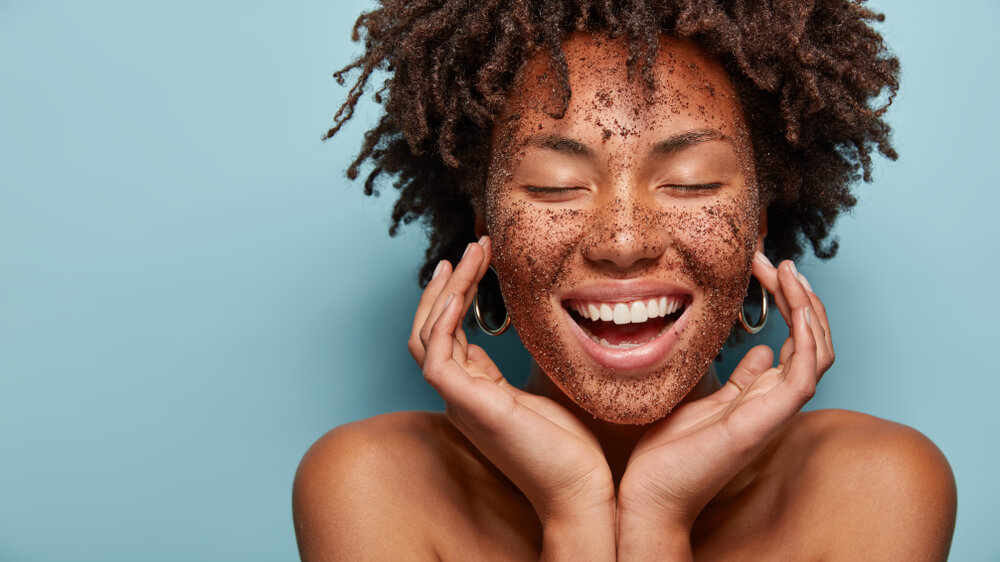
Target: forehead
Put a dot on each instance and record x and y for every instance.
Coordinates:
(691, 92)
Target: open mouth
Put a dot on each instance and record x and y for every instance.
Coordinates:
(628, 324)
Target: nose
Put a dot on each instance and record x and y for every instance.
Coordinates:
(626, 235)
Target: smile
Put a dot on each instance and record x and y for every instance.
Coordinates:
(628, 334)
(634, 312)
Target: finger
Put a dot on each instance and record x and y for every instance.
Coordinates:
(755, 362)
(470, 398)
(795, 294)
(767, 274)
(487, 245)
(440, 361)
(798, 299)
(801, 374)
(796, 289)
(791, 286)
(821, 327)
(786, 350)
(779, 279)
(460, 283)
(478, 356)
(427, 298)
(460, 342)
(797, 382)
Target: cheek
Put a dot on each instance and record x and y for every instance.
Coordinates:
(715, 244)
(716, 240)
(532, 247)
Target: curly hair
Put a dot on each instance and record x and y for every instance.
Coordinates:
(813, 77)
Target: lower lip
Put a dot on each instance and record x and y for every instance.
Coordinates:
(635, 359)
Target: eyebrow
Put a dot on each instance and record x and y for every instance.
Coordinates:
(559, 143)
(665, 147)
(684, 140)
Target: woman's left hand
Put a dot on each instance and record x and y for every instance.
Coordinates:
(684, 460)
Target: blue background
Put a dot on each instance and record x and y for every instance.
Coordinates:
(191, 293)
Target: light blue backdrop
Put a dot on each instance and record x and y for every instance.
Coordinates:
(191, 293)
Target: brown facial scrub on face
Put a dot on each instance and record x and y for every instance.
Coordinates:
(623, 231)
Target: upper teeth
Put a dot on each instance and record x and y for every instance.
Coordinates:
(632, 312)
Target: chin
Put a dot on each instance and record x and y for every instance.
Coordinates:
(632, 369)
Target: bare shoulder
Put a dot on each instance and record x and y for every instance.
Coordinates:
(407, 486)
(882, 490)
(358, 486)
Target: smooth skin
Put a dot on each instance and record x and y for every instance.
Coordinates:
(735, 472)
(830, 485)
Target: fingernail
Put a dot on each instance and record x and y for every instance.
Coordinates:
(448, 301)
(795, 270)
(759, 256)
(805, 282)
(483, 240)
(467, 248)
(808, 317)
(437, 270)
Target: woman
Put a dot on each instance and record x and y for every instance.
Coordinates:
(625, 170)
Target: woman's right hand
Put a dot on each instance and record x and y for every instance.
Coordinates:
(540, 446)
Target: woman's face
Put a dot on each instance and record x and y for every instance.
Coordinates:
(623, 232)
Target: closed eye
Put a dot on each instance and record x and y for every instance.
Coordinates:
(548, 190)
(692, 187)
(554, 194)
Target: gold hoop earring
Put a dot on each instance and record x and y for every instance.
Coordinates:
(479, 316)
(763, 315)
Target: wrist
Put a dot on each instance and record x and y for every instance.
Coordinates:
(595, 502)
(652, 535)
(582, 535)
(639, 540)
(650, 507)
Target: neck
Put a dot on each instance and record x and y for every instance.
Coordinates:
(617, 440)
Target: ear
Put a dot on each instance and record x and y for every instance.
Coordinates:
(762, 233)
